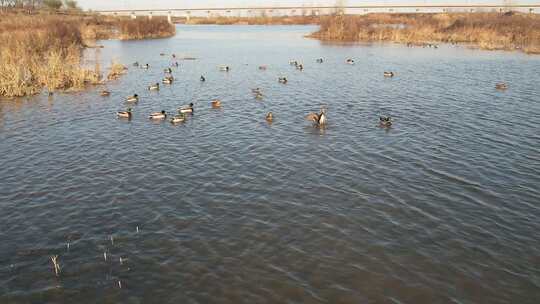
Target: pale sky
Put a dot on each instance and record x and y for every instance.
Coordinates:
(164, 4)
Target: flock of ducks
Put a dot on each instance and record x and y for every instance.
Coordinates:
(319, 118)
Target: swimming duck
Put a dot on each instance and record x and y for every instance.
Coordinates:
(168, 80)
(124, 114)
(501, 86)
(224, 68)
(256, 90)
(269, 117)
(133, 98)
(259, 95)
(154, 87)
(186, 109)
(146, 66)
(168, 70)
(388, 74)
(320, 60)
(178, 118)
(384, 121)
(293, 62)
(158, 115)
(105, 93)
(161, 54)
(136, 64)
(202, 78)
(216, 104)
(282, 80)
(300, 67)
(318, 118)
(350, 61)
(263, 67)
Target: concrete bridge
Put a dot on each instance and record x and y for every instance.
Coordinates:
(318, 10)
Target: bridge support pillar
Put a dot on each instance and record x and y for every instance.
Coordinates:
(133, 16)
(169, 17)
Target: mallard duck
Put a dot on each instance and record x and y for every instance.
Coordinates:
(300, 67)
(216, 104)
(224, 68)
(282, 80)
(269, 117)
(256, 90)
(154, 87)
(501, 86)
(388, 74)
(136, 64)
(124, 114)
(293, 62)
(385, 121)
(318, 118)
(202, 78)
(133, 98)
(186, 109)
(320, 60)
(178, 118)
(105, 93)
(263, 67)
(259, 95)
(146, 66)
(168, 80)
(161, 54)
(168, 70)
(158, 115)
(350, 61)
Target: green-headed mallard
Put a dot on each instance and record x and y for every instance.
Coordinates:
(154, 87)
(105, 93)
(178, 118)
(186, 109)
(124, 114)
(133, 98)
(158, 115)
(388, 74)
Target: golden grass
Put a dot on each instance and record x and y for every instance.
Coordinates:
(45, 51)
(490, 31)
(262, 20)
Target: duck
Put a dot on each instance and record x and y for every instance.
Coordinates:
(105, 93)
(269, 117)
(501, 86)
(173, 55)
(293, 62)
(161, 54)
(136, 64)
(203, 79)
(350, 61)
(384, 121)
(186, 109)
(320, 60)
(154, 87)
(178, 118)
(158, 115)
(133, 98)
(300, 67)
(124, 114)
(216, 104)
(168, 70)
(259, 95)
(224, 68)
(256, 90)
(282, 80)
(319, 118)
(146, 66)
(168, 80)
(389, 74)
(263, 67)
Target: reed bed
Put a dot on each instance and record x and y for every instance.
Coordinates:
(144, 28)
(262, 20)
(45, 50)
(491, 31)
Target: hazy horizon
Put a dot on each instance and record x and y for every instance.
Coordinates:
(160, 4)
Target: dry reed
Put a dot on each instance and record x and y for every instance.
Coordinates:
(492, 31)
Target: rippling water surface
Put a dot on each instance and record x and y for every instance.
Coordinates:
(441, 208)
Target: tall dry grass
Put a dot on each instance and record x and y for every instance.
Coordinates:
(143, 28)
(45, 50)
(262, 20)
(491, 31)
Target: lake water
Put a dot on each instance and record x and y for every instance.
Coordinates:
(444, 207)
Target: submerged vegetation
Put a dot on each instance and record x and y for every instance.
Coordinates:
(45, 50)
(491, 31)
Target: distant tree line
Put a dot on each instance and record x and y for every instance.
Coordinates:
(39, 4)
